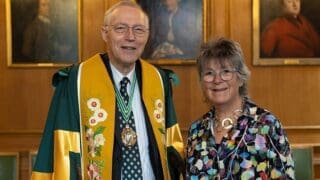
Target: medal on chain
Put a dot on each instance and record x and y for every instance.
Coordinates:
(128, 135)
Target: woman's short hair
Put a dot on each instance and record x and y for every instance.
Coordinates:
(225, 52)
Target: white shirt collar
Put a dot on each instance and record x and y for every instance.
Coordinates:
(117, 75)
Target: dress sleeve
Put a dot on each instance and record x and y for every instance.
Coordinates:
(280, 162)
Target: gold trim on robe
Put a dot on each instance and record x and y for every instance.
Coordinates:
(64, 143)
(96, 86)
(96, 83)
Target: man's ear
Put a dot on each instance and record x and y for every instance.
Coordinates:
(104, 33)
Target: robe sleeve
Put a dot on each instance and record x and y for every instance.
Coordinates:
(175, 148)
(61, 131)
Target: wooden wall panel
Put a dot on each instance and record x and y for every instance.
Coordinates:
(291, 92)
(218, 19)
(92, 20)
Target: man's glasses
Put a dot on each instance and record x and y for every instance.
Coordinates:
(225, 75)
(138, 30)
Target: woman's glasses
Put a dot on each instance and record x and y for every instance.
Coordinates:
(225, 75)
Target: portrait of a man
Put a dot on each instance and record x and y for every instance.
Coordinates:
(44, 31)
(287, 31)
(176, 28)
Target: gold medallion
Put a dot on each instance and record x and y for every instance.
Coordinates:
(128, 136)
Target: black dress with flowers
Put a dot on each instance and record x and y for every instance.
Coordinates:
(255, 148)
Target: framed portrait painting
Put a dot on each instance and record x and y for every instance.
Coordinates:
(177, 28)
(286, 32)
(42, 32)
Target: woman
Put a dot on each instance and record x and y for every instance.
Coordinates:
(236, 138)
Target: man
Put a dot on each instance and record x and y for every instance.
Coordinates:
(290, 35)
(127, 126)
(36, 38)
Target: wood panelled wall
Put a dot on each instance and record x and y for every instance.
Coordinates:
(291, 92)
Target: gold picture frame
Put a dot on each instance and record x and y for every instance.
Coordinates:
(280, 49)
(43, 33)
(182, 45)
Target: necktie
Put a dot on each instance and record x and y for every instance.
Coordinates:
(131, 165)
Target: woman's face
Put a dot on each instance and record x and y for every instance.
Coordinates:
(291, 7)
(220, 92)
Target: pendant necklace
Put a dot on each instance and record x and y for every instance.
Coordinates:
(128, 135)
(226, 123)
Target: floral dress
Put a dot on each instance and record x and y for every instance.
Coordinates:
(255, 148)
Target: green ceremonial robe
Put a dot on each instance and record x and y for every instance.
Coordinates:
(64, 154)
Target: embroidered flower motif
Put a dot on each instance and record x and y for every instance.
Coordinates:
(94, 169)
(91, 149)
(95, 140)
(99, 140)
(158, 116)
(100, 115)
(93, 104)
(158, 105)
(158, 111)
(94, 137)
(93, 121)
(89, 134)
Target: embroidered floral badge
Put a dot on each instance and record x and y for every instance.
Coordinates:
(94, 169)
(95, 140)
(158, 115)
(94, 137)
(99, 114)
(158, 112)
(93, 104)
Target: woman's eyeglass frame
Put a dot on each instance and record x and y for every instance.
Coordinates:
(224, 74)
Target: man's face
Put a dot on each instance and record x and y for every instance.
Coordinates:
(125, 48)
(291, 7)
(44, 7)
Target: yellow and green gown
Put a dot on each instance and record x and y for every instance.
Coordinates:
(79, 137)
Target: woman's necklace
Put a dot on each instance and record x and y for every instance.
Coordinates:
(226, 123)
